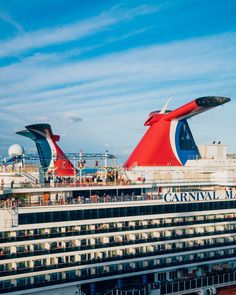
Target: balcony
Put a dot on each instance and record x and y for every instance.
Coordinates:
(175, 287)
(185, 252)
(109, 230)
(115, 244)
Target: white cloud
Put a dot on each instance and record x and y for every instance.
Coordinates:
(114, 93)
(4, 16)
(70, 32)
(120, 73)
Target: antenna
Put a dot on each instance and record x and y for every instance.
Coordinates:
(163, 110)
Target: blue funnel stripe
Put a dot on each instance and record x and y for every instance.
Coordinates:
(43, 147)
(44, 151)
(185, 144)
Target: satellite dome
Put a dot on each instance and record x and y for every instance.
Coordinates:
(15, 150)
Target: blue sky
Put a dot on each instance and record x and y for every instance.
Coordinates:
(95, 69)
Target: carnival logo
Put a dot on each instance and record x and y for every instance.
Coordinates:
(199, 196)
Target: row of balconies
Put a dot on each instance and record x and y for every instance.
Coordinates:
(114, 241)
(105, 271)
(50, 233)
(68, 260)
(183, 284)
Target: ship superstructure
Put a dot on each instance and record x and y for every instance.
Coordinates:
(150, 229)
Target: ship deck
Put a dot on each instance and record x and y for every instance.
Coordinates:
(59, 187)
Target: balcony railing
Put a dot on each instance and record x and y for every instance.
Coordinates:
(219, 278)
(185, 251)
(110, 230)
(111, 244)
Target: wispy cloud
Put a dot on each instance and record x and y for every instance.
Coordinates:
(120, 73)
(112, 92)
(70, 32)
(4, 16)
(128, 35)
(73, 117)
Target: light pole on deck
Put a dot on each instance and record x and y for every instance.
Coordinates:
(115, 175)
(80, 174)
(106, 163)
(81, 164)
(74, 169)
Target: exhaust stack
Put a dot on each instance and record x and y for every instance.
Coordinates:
(169, 141)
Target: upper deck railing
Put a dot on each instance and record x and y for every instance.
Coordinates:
(81, 199)
(176, 182)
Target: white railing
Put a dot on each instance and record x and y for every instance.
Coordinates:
(29, 177)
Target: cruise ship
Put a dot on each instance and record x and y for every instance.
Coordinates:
(163, 223)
